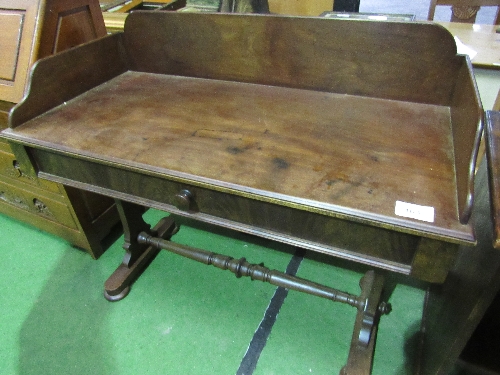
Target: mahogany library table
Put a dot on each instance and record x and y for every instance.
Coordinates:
(356, 139)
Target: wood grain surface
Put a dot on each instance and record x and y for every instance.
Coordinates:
(333, 151)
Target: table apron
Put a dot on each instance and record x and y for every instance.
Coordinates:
(374, 246)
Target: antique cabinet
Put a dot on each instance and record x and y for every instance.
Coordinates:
(31, 30)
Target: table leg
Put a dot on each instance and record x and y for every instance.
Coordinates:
(360, 359)
(138, 256)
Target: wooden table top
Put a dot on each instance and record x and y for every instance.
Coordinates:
(481, 38)
(269, 141)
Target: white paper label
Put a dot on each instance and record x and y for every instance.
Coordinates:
(414, 211)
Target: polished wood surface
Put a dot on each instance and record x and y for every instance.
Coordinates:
(272, 142)
(481, 38)
(230, 59)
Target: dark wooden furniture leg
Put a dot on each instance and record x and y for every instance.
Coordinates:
(454, 309)
(138, 256)
(360, 359)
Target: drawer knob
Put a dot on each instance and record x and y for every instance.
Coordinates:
(17, 168)
(183, 200)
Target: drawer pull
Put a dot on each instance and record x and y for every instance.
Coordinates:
(184, 200)
(18, 172)
(41, 208)
(17, 168)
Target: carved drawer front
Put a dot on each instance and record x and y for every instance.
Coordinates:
(9, 167)
(35, 201)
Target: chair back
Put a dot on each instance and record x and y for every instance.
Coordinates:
(464, 10)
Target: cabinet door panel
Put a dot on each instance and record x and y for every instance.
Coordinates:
(17, 31)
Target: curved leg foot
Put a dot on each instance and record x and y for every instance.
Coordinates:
(117, 297)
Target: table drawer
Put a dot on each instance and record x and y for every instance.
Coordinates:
(426, 258)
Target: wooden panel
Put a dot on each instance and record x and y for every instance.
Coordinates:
(32, 218)
(18, 45)
(18, 202)
(69, 24)
(95, 63)
(467, 127)
(68, 36)
(11, 23)
(358, 58)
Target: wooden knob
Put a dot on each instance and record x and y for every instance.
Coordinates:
(183, 200)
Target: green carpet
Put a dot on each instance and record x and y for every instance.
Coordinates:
(181, 317)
